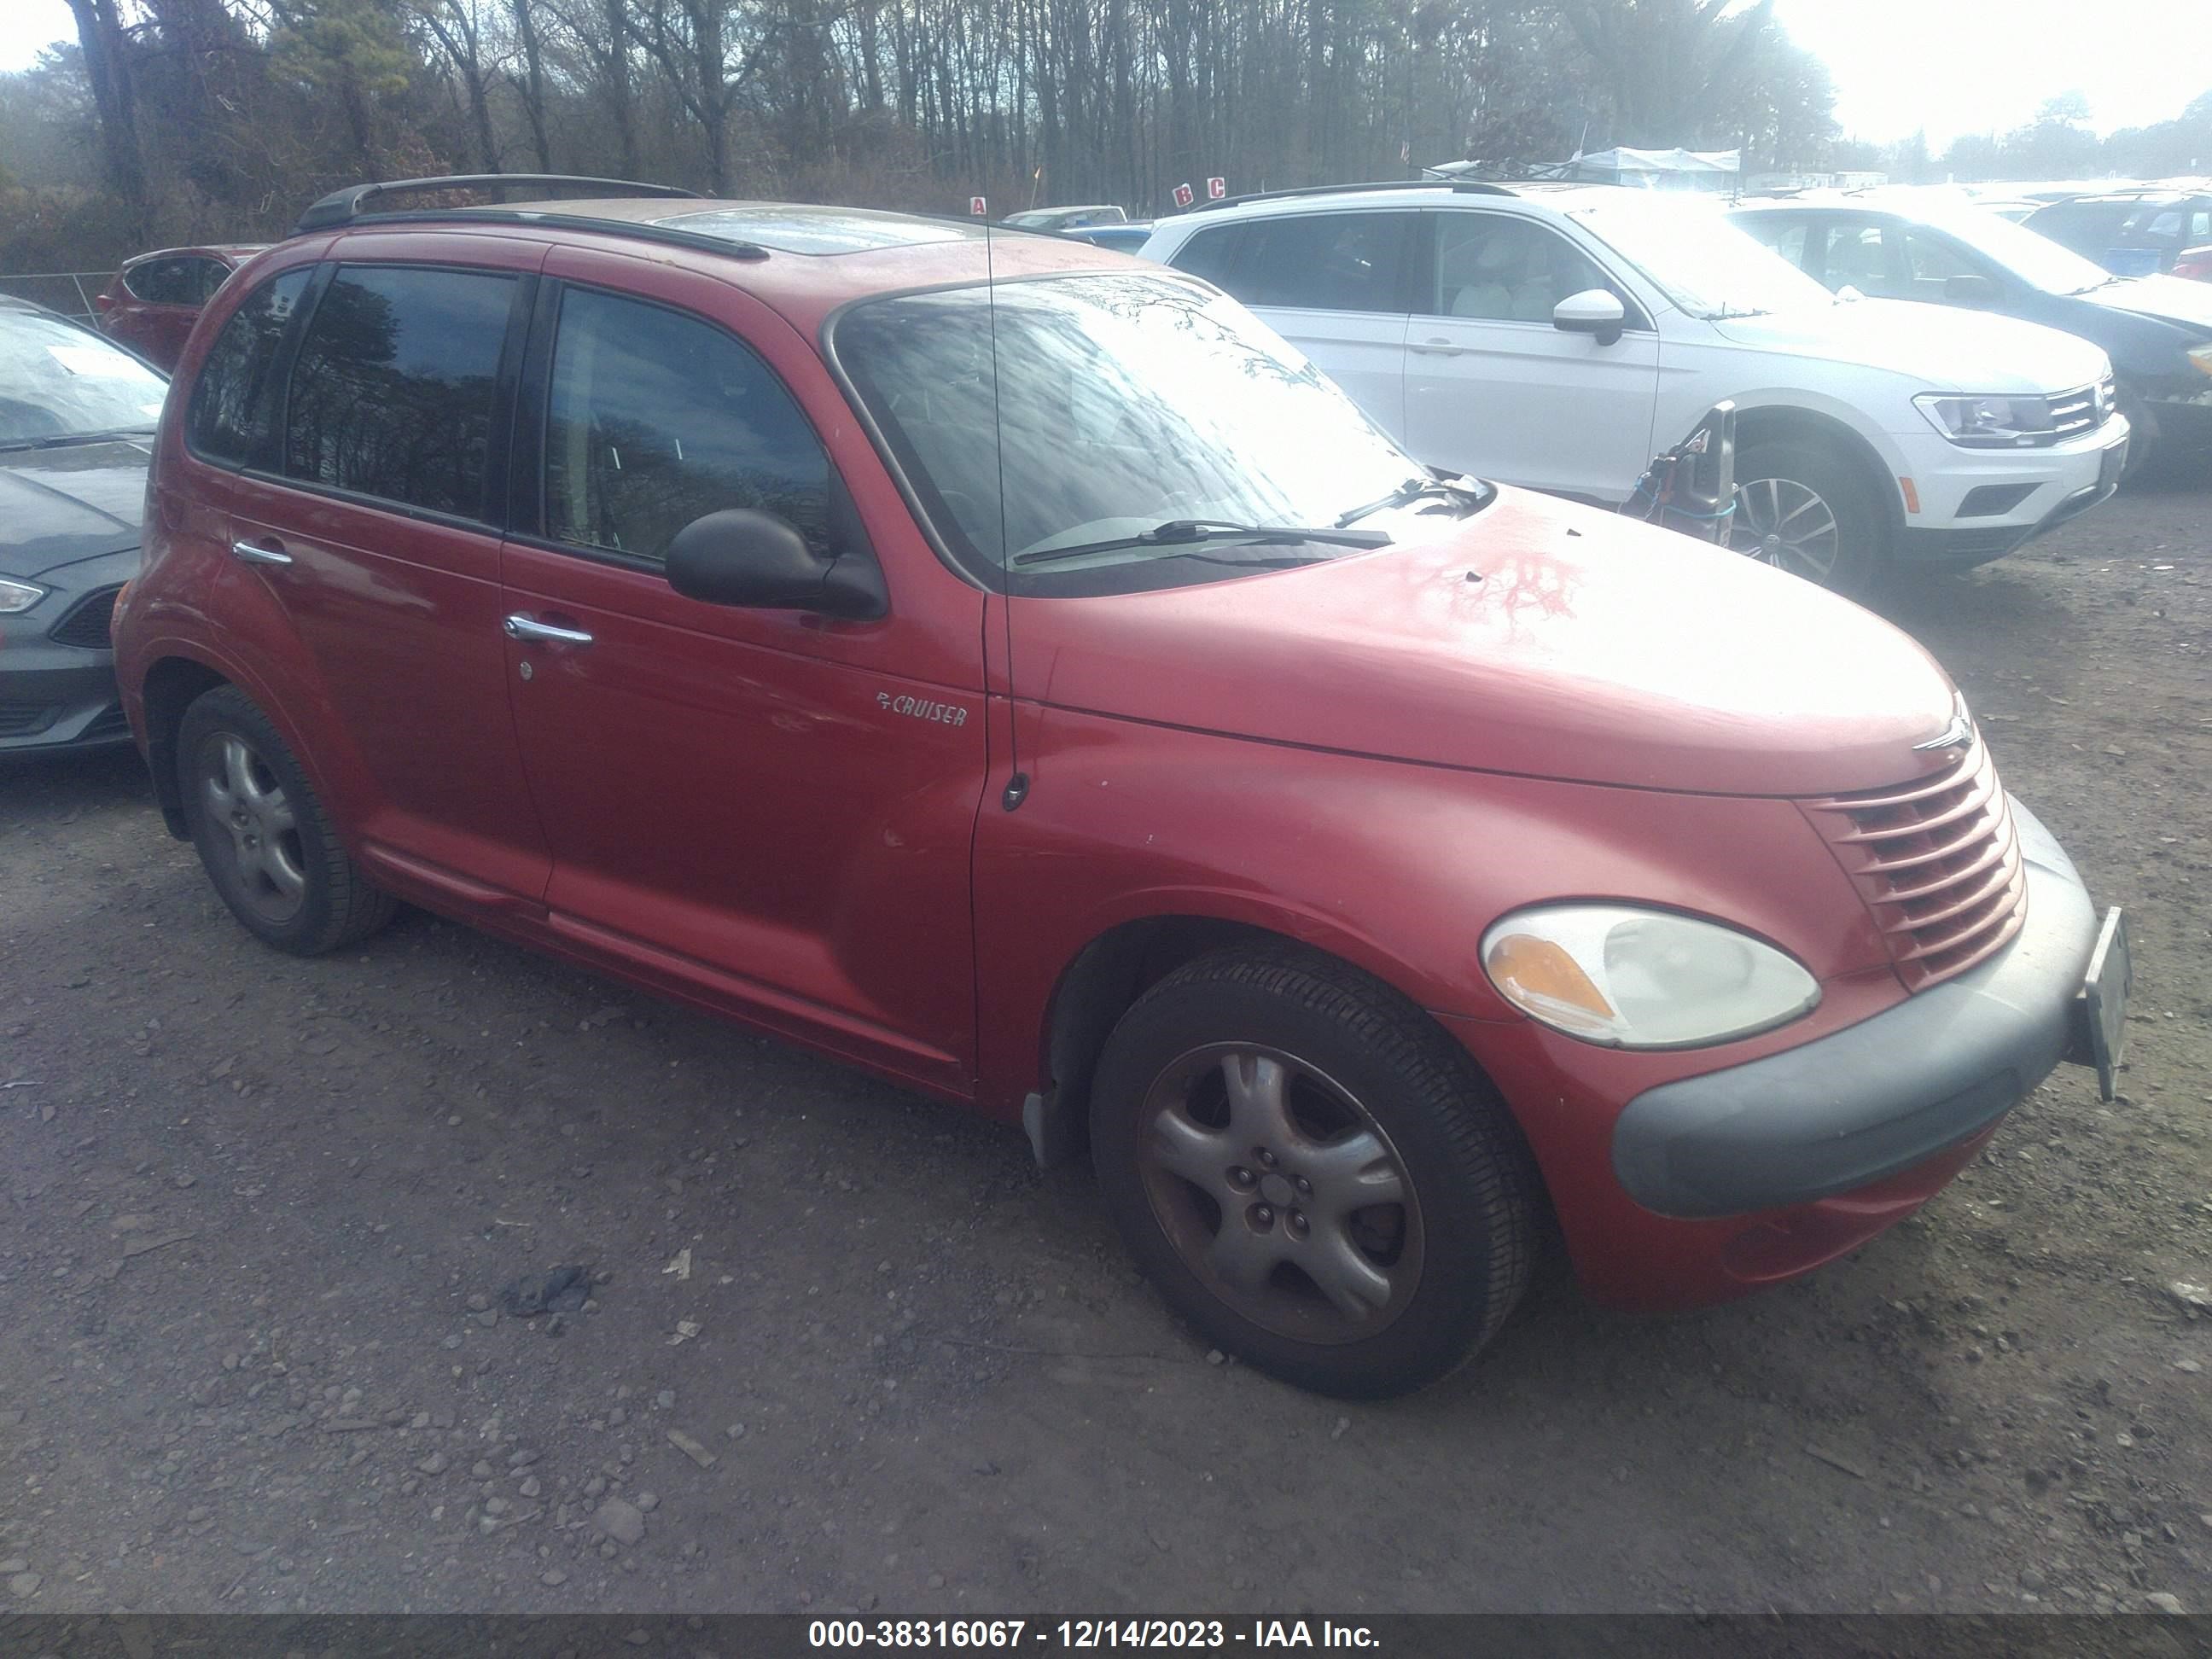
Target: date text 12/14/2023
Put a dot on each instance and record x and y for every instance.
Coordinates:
(1081, 1635)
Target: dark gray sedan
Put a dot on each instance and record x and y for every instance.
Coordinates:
(76, 418)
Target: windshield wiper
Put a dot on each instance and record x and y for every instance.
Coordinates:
(63, 440)
(1185, 532)
(1474, 491)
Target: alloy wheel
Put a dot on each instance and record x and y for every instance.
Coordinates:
(1781, 522)
(1279, 1191)
(243, 798)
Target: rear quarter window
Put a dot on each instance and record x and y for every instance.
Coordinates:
(232, 406)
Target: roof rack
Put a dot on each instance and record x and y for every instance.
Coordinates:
(342, 207)
(1465, 186)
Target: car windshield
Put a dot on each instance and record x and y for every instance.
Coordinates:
(58, 382)
(2027, 254)
(1707, 266)
(1119, 403)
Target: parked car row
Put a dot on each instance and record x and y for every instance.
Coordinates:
(1089, 685)
(2156, 329)
(2142, 232)
(1058, 694)
(1557, 336)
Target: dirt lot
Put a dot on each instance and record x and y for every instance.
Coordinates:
(253, 1211)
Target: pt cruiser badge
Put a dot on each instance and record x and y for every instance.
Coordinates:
(920, 708)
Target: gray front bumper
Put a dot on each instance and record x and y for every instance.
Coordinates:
(1873, 1100)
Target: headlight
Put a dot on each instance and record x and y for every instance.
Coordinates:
(1641, 978)
(1988, 423)
(18, 596)
(2202, 357)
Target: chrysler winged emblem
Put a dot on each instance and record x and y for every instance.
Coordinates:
(1957, 735)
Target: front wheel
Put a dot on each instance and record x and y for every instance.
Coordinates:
(1804, 509)
(1312, 1173)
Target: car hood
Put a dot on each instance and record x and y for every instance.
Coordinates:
(1942, 347)
(2169, 298)
(59, 506)
(1591, 649)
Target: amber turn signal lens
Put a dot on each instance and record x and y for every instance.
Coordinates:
(1536, 969)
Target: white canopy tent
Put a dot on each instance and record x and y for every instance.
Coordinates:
(1650, 169)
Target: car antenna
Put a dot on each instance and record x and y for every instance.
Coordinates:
(1017, 785)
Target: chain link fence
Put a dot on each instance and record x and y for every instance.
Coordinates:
(68, 292)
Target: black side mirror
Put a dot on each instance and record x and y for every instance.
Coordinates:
(1967, 289)
(758, 560)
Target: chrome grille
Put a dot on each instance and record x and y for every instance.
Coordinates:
(1937, 861)
(2082, 410)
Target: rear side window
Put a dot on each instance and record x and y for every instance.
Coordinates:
(233, 401)
(162, 282)
(1212, 254)
(656, 419)
(1317, 262)
(393, 393)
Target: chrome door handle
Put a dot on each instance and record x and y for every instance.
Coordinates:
(252, 555)
(520, 626)
(1437, 349)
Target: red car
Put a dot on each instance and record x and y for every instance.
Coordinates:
(1009, 668)
(151, 304)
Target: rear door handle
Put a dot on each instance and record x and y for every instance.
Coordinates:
(520, 626)
(252, 555)
(1437, 349)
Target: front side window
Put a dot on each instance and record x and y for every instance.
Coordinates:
(235, 399)
(1697, 259)
(1498, 268)
(1111, 405)
(393, 393)
(1859, 257)
(1319, 262)
(656, 419)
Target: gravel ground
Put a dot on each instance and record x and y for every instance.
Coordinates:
(844, 1349)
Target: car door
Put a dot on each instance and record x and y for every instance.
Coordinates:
(374, 528)
(1493, 387)
(1335, 285)
(769, 808)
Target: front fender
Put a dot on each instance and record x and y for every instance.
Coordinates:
(1396, 869)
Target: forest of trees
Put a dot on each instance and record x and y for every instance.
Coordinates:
(181, 120)
(176, 120)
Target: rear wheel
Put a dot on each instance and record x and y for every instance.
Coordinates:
(266, 842)
(1802, 508)
(1312, 1173)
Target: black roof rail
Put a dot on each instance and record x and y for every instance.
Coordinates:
(342, 207)
(1468, 187)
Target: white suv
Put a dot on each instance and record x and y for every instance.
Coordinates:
(1559, 336)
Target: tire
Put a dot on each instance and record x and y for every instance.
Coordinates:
(1355, 1095)
(267, 844)
(1784, 486)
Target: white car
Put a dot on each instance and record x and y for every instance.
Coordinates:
(1559, 336)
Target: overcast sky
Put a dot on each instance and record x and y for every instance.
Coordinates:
(1953, 66)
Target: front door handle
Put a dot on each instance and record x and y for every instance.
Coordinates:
(520, 626)
(1437, 349)
(252, 555)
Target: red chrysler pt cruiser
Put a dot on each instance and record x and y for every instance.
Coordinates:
(1011, 669)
